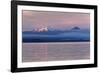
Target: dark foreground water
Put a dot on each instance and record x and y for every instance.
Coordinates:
(54, 52)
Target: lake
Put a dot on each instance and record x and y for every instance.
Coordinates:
(38, 52)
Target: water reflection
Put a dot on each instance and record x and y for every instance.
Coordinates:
(53, 52)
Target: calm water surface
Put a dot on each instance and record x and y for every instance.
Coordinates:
(55, 51)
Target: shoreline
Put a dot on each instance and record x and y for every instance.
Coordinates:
(56, 42)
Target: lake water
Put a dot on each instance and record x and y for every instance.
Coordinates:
(55, 51)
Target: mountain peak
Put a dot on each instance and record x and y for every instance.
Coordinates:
(43, 29)
(75, 28)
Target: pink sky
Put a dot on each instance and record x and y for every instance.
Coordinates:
(55, 20)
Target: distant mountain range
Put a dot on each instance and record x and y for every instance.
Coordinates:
(73, 35)
(48, 30)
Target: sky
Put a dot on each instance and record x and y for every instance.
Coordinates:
(32, 19)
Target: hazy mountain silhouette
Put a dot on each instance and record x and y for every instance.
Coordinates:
(76, 28)
(75, 34)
